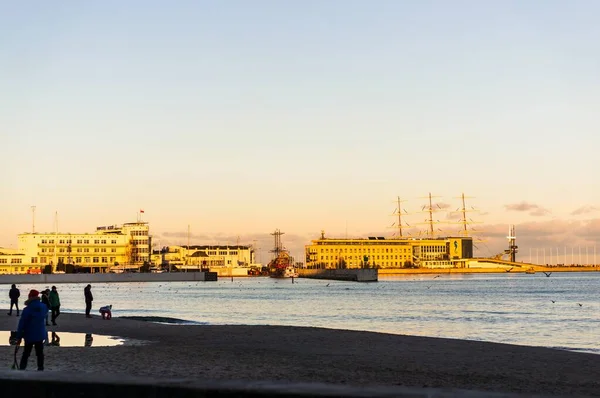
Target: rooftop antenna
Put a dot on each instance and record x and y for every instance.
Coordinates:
(33, 219)
(55, 238)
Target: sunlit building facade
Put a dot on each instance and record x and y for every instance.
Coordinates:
(446, 252)
(198, 257)
(127, 246)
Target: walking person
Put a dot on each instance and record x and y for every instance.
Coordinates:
(87, 292)
(54, 304)
(46, 301)
(14, 295)
(33, 330)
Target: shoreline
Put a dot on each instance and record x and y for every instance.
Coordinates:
(307, 354)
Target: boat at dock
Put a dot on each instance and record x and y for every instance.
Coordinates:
(282, 264)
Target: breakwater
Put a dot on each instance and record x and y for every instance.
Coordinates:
(356, 275)
(48, 279)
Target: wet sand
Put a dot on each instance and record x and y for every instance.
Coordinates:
(299, 354)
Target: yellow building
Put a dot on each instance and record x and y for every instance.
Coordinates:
(127, 245)
(379, 252)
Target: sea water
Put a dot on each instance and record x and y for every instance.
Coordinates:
(560, 311)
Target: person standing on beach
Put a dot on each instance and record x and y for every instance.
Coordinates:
(54, 304)
(14, 295)
(46, 301)
(32, 329)
(87, 292)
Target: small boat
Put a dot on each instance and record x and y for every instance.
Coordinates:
(530, 271)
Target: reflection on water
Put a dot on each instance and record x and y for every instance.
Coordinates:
(66, 339)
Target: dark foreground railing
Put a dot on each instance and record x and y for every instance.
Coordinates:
(83, 385)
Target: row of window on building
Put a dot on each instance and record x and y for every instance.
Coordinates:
(388, 257)
(221, 253)
(366, 250)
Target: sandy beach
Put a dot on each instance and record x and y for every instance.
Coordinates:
(299, 354)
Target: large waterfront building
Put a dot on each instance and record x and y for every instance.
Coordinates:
(447, 252)
(198, 257)
(127, 246)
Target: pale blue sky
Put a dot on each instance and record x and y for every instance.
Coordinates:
(239, 117)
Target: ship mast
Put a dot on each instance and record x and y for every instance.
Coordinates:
(430, 216)
(278, 246)
(464, 221)
(400, 217)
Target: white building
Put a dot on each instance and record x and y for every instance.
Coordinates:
(213, 257)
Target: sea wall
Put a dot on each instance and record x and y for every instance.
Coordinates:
(357, 275)
(50, 279)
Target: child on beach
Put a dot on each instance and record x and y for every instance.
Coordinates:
(106, 312)
(46, 301)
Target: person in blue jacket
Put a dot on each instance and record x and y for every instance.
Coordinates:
(32, 328)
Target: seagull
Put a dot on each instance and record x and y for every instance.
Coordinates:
(437, 276)
(510, 269)
(553, 301)
(327, 285)
(581, 305)
(547, 273)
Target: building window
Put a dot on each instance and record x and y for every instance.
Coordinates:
(97, 241)
(87, 241)
(3, 261)
(42, 260)
(62, 242)
(79, 241)
(114, 241)
(103, 241)
(78, 259)
(86, 259)
(103, 250)
(51, 241)
(34, 260)
(96, 250)
(15, 261)
(113, 250)
(104, 259)
(96, 259)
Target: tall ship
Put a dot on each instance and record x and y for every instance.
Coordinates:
(282, 264)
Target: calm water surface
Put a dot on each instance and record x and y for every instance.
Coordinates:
(506, 308)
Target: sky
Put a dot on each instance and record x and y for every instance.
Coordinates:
(239, 117)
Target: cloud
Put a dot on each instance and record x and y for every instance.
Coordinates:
(533, 209)
(584, 210)
(441, 205)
